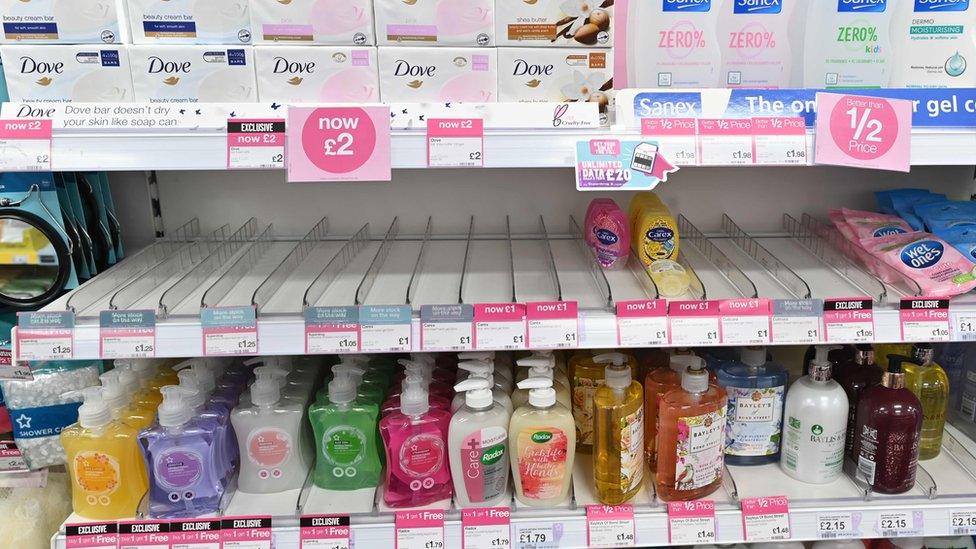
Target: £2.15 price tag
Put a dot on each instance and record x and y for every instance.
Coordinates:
(838, 525)
(797, 321)
(694, 323)
(893, 524)
(127, 334)
(325, 532)
(725, 142)
(385, 328)
(924, 319)
(499, 326)
(148, 534)
(339, 144)
(420, 530)
(254, 144)
(552, 324)
(488, 528)
(447, 327)
(455, 142)
(246, 533)
(195, 534)
(642, 323)
(92, 535)
(45, 335)
(691, 522)
(745, 321)
(766, 518)
(962, 523)
(864, 132)
(25, 145)
(331, 330)
(610, 526)
(229, 331)
(849, 320)
(780, 140)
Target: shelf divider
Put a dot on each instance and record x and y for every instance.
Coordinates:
(273, 282)
(229, 278)
(785, 276)
(336, 265)
(366, 284)
(732, 273)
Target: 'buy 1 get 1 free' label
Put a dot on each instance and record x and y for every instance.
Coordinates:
(325, 532)
(100, 535)
(488, 528)
(419, 530)
(149, 534)
(849, 320)
(246, 532)
(195, 534)
(924, 319)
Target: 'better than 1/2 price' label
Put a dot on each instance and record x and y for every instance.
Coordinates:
(455, 142)
(780, 140)
(766, 518)
(725, 141)
(610, 526)
(691, 522)
(229, 331)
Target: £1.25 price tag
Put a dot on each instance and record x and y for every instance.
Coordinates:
(386, 328)
(797, 321)
(127, 334)
(488, 528)
(455, 143)
(25, 145)
(146, 534)
(780, 140)
(849, 320)
(552, 325)
(864, 132)
(694, 323)
(766, 518)
(924, 319)
(642, 323)
(255, 144)
(229, 331)
(447, 327)
(677, 136)
(325, 532)
(499, 326)
(331, 330)
(745, 321)
(725, 142)
(246, 533)
(610, 526)
(419, 530)
(691, 522)
(839, 525)
(195, 534)
(45, 335)
(92, 535)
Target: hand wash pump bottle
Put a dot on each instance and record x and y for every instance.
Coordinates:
(477, 369)
(618, 435)
(543, 446)
(478, 445)
(928, 381)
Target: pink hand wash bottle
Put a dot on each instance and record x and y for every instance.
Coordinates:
(415, 438)
(608, 233)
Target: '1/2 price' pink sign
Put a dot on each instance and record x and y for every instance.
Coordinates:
(864, 132)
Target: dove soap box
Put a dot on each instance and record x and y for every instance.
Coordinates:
(548, 23)
(189, 21)
(438, 75)
(205, 74)
(59, 22)
(316, 74)
(80, 73)
(435, 22)
(558, 75)
(307, 22)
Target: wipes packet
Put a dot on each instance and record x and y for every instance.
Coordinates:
(963, 238)
(905, 207)
(939, 216)
(885, 198)
(874, 225)
(938, 268)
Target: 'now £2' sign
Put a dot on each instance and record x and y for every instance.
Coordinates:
(338, 144)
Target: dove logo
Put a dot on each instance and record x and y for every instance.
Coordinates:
(284, 66)
(524, 68)
(28, 65)
(157, 65)
(403, 68)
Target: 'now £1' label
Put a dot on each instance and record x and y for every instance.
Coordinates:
(642, 323)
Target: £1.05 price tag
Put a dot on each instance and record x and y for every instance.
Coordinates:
(229, 331)
(610, 526)
(864, 132)
(924, 319)
(838, 525)
(725, 141)
(92, 535)
(325, 532)
(148, 534)
(447, 327)
(694, 323)
(254, 144)
(849, 320)
(780, 140)
(25, 145)
(45, 335)
(331, 330)
(246, 533)
(386, 328)
(766, 518)
(455, 142)
(499, 326)
(691, 522)
(552, 324)
(797, 321)
(195, 534)
(745, 321)
(642, 323)
(488, 528)
(127, 334)
(420, 530)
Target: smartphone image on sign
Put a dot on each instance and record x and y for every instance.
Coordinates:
(645, 155)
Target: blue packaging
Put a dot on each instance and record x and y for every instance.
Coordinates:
(940, 216)
(884, 198)
(904, 205)
(962, 238)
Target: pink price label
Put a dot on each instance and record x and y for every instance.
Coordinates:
(779, 125)
(766, 518)
(26, 129)
(694, 308)
(144, 534)
(688, 509)
(246, 532)
(25, 145)
(490, 516)
(455, 127)
(420, 519)
(691, 522)
(552, 310)
(924, 319)
(488, 528)
(255, 143)
(333, 528)
(864, 132)
(642, 308)
(725, 126)
(339, 144)
(93, 535)
(419, 529)
(667, 127)
(499, 326)
(849, 320)
(610, 526)
(744, 307)
(642, 323)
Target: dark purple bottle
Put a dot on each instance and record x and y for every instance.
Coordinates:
(887, 432)
(863, 373)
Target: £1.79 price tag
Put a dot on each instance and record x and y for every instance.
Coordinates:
(195, 534)
(127, 334)
(797, 321)
(420, 530)
(536, 535)
(745, 321)
(766, 518)
(229, 331)
(386, 328)
(455, 142)
(552, 324)
(148, 534)
(254, 144)
(325, 532)
(45, 335)
(25, 145)
(780, 140)
(864, 132)
(246, 533)
(924, 319)
(331, 330)
(92, 535)
(610, 526)
(849, 320)
(447, 327)
(642, 323)
(691, 522)
(499, 326)
(725, 141)
(694, 323)
(488, 528)
(838, 525)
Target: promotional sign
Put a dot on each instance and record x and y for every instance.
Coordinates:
(924, 319)
(610, 526)
(229, 331)
(499, 326)
(691, 522)
(331, 330)
(678, 138)
(447, 327)
(864, 132)
(849, 320)
(338, 144)
(255, 143)
(25, 145)
(552, 324)
(612, 164)
(45, 335)
(489, 528)
(127, 334)
(419, 530)
(766, 518)
(455, 143)
(642, 323)
(325, 532)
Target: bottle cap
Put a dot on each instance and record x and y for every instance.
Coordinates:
(173, 411)
(425, 358)
(477, 355)
(538, 361)
(128, 378)
(894, 378)
(356, 371)
(477, 392)
(821, 367)
(279, 375)
(617, 375)
(541, 393)
(94, 412)
(418, 368)
(144, 368)
(864, 354)
(923, 354)
(205, 377)
(695, 377)
(753, 356)
(193, 394)
(266, 389)
(112, 391)
(680, 363)
(414, 398)
(342, 388)
(476, 367)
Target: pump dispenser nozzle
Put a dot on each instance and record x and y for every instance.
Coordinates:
(266, 389)
(541, 392)
(695, 377)
(414, 399)
(821, 367)
(342, 388)
(477, 355)
(144, 370)
(128, 379)
(355, 370)
(173, 410)
(753, 356)
(617, 374)
(112, 390)
(894, 378)
(477, 391)
(194, 396)
(94, 412)
(279, 375)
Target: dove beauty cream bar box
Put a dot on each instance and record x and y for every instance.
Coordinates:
(548, 23)
(87, 74)
(206, 74)
(316, 74)
(435, 22)
(189, 21)
(307, 22)
(556, 75)
(59, 22)
(438, 75)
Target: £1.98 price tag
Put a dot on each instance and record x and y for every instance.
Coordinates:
(229, 331)
(691, 522)
(325, 532)
(488, 528)
(642, 323)
(725, 141)
(780, 140)
(610, 526)
(45, 335)
(455, 142)
(694, 323)
(127, 334)
(420, 530)
(849, 320)
(92, 535)
(677, 136)
(553, 324)
(254, 144)
(924, 319)
(148, 534)
(499, 326)
(864, 132)
(25, 145)
(766, 518)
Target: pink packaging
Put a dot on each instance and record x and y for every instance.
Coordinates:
(874, 225)
(938, 268)
(607, 231)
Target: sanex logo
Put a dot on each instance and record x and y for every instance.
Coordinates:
(863, 6)
(687, 5)
(757, 6)
(941, 5)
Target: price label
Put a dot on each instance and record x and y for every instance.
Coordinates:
(11, 458)
(447, 327)
(766, 518)
(725, 142)
(45, 335)
(924, 319)
(849, 320)
(780, 140)
(195, 534)
(9, 369)
(325, 532)
(488, 528)
(331, 330)
(745, 321)
(455, 142)
(538, 536)
(893, 524)
(229, 331)
(797, 321)
(92, 535)
(254, 144)
(499, 326)
(965, 326)
(691, 522)
(963, 523)
(642, 323)
(386, 328)
(150, 534)
(838, 525)
(420, 530)
(25, 145)
(610, 526)
(246, 533)
(677, 136)
(694, 323)
(552, 324)
(127, 334)
(864, 132)
(339, 144)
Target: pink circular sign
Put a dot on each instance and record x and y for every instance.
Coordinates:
(864, 128)
(339, 139)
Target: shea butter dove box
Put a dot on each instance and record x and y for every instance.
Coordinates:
(560, 23)
(439, 75)
(59, 22)
(206, 74)
(460, 23)
(556, 75)
(316, 74)
(225, 22)
(80, 73)
(306, 22)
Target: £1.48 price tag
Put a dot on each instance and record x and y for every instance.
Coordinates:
(127, 334)
(325, 532)
(246, 533)
(92, 535)
(45, 335)
(745, 321)
(447, 327)
(610, 526)
(455, 142)
(488, 528)
(642, 323)
(924, 319)
(331, 330)
(25, 145)
(229, 331)
(499, 326)
(552, 324)
(849, 320)
(148, 534)
(694, 323)
(420, 530)
(254, 144)
(766, 518)
(691, 522)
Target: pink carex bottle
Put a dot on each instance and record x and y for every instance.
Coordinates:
(415, 439)
(608, 233)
